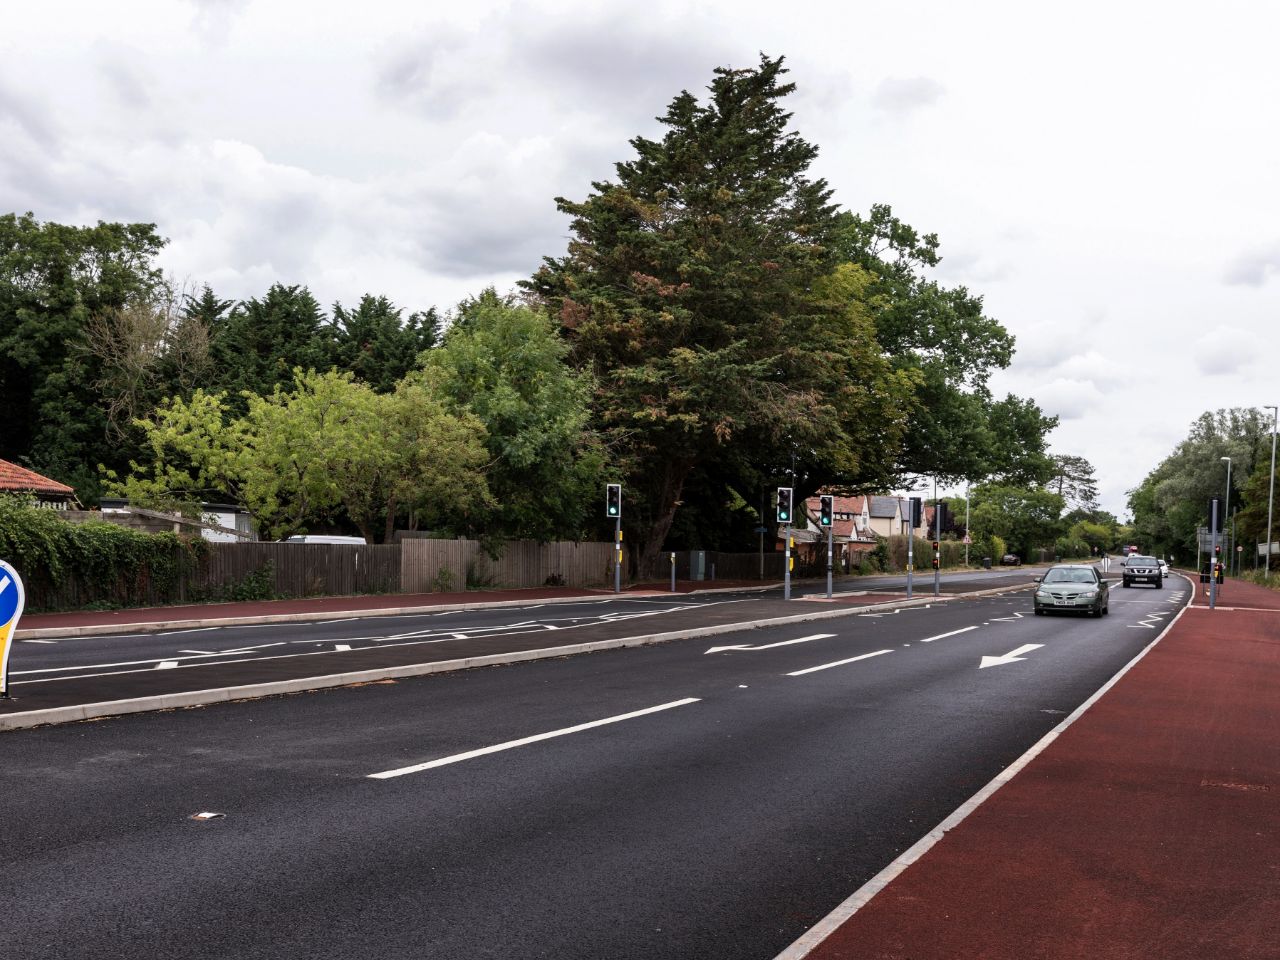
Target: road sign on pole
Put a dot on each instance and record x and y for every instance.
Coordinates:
(12, 599)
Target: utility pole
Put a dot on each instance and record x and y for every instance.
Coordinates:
(937, 541)
(1213, 558)
(1271, 493)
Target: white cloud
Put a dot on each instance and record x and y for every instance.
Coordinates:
(1068, 399)
(906, 94)
(1253, 268)
(1224, 351)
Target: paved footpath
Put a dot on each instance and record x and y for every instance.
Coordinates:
(1149, 828)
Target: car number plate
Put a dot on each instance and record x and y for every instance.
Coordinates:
(1062, 603)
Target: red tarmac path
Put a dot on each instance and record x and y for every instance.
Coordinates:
(1150, 828)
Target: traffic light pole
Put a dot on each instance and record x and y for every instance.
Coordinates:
(617, 556)
(937, 551)
(830, 530)
(911, 537)
(1213, 559)
(786, 570)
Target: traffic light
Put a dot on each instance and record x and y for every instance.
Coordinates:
(613, 500)
(826, 510)
(936, 563)
(1217, 550)
(784, 504)
(935, 546)
(917, 513)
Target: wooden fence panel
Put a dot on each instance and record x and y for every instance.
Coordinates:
(303, 569)
(428, 565)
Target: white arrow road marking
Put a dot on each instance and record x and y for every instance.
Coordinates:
(511, 744)
(838, 663)
(943, 636)
(1016, 616)
(770, 646)
(1010, 657)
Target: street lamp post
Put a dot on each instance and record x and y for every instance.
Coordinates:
(1226, 510)
(1271, 495)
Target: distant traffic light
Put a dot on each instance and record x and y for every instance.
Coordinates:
(613, 500)
(917, 512)
(784, 504)
(826, 510)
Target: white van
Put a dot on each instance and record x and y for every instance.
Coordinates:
(322, 538)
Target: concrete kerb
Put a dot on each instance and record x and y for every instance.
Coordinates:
(199, 698)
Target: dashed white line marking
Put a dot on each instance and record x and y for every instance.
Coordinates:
(838, 663)
(39, 641)
(341, 647)
(525, 741)
(166, 664)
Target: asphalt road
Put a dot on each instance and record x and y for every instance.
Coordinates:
(655, 802)
(57, 671)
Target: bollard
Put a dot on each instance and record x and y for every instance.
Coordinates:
(673, 571)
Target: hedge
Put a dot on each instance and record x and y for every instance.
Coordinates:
(96, 564)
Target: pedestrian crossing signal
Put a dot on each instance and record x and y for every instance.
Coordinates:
(613, 500)
(826, 510)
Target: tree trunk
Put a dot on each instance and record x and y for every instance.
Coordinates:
(672, 486)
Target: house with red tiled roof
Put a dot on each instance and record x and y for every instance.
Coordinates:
(46, 492)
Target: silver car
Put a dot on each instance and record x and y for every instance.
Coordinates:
(1072, 587)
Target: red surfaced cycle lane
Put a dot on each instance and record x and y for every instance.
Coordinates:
(1150, 829)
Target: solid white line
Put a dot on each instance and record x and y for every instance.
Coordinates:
(512, 744)
(811, 939)
(942, 636)
(38, 641)
(838, 663)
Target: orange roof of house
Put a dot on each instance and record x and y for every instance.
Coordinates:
(14, 477)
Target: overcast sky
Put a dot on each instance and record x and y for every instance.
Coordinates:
(1104, 174)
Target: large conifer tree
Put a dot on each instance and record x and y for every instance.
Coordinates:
(694, 291)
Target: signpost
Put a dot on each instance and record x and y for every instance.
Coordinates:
(1213, 557)
(12, 600)
(917, 513)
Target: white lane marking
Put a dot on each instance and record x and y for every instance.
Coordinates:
(341, 647)
(260, 646)
(201, 653)
(889, 614)
(943, 636)
(166, 664)
(174, 633)
(1016, 616)
(770, 646)
(525, 741)
(1011, 657)
(39, 641)
(325, 623)
(838, 663)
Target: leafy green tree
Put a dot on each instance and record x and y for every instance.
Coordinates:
(300, 456)
(376, 345)
(262, 340)
(505, 364)
(53, 279)
(691, 291)
(943, 336)
(1073, 479)
(1025, 517)
(1172, 501)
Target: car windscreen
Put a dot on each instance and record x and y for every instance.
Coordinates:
(1141, 561)
(1069, 576)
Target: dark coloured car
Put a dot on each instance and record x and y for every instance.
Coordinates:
(1074, 587)
(1011, 560)
(1140, 569)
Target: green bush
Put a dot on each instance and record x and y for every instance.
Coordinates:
(76, 565)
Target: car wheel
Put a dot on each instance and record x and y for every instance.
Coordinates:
(1126, 584)
(1159, 584)
(1039, 612)
(1106, 609)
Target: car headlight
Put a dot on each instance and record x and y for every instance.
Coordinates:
(1042, 594)
(1088, 593)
